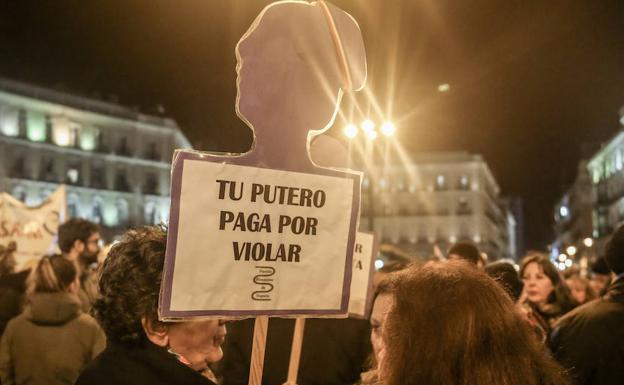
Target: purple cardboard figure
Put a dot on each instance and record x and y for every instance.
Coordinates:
(268, 232)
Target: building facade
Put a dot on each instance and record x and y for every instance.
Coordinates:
(436, 200)
(115, 161)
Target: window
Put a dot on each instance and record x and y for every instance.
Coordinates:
(64, 131)
(73, 175)
(151, 184)
(35, 126)
(149, 213)
(18, 170)
(121, 181)
(97, 210)
(464, 182)
(121, 205)
(72, 206)
(122, 147)
(440, 182)
(47, 173)
(89, 137)
(97, 177)
(9, 121)
(152, 152)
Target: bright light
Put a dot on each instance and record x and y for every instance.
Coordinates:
(388, 128)
(568, 263)
(350, 131)
(379, 264)
(476, 238)
(588, 242)
(444, 87)
(371, 134)
(571, 250)
(563, 210)
(562, 266)
(562, 257)
(368, 125)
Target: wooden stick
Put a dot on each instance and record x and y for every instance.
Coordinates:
(295, 352)
(257, 351)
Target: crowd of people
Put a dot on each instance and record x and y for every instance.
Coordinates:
(76, 318)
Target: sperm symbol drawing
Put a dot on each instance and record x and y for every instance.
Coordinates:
(263, 279)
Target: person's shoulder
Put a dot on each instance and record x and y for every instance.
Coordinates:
(592, 312)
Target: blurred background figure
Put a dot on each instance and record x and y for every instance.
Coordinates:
(466, 251)
(52, 340)
(505, 274)
(496, 348)
(589, 340)
(12, 286)
(599, 276)
(545, 297)
(79, 241)
(580, 289)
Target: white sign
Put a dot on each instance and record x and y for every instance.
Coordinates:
(33, 229)
(361, 282)
(272, 240)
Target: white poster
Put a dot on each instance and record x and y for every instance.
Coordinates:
(270, 239)
(361, 282)
(33, 229)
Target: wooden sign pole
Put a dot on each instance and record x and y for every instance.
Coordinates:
(257, 351)
(295, 352)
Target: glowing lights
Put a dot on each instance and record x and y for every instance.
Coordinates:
(445, 87)
(368, 125)
(562, 257)
(563, 211)
(350, 131)
(588, 242)
(568, 263)
(371, 134)
(388, 128)
(379, 264)
(571, 250)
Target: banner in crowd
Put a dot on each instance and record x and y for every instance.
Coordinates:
(268, 232)
(364, 254)
(33, 229)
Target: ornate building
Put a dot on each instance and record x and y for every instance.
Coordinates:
(114, 160)
(437, 200)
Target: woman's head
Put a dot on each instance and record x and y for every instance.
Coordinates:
(451, 324)
(543, 284)
(128, 308)
(382, 300)
(53, 274)
(580, 289)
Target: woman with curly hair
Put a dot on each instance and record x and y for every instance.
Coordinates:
(52, 340)
(142, 349)
(450, 324)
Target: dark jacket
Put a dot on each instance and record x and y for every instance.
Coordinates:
(50, 342)
(146, 364)
(334, 352)
(12, 293)
(589, 341)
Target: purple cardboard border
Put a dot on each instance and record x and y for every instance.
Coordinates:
(164, 308)
(371, 272)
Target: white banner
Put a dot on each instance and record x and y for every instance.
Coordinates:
(33, 229)
(361, 279)
(272, 240)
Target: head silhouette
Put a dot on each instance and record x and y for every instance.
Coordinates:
(291, 74)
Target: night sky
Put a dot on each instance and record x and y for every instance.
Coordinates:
(531, 81)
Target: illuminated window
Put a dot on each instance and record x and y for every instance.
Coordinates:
(9, 121)
(464, 183)
(97, 211)
(440, 182)
(88, 138)
(122, 211)
(35, 126)
(72, 206)
(149, 213)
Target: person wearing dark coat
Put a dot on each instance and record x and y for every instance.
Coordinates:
(142, 350)
(589, 340)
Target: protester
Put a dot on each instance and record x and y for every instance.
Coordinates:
(79, 241)
(382, 300)
(52, 340)
(451, 324)
(505, 274)
(465, 251)
(545, 296)
(588, 340)
(142, 349)
(12, 286)
(580, 289)
(600, 276)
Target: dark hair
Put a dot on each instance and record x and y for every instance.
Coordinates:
(466, 250)
(130, 283)
(600, 266)
(7, 260)
(53, 274)
(505, 274)
(484, 340)
(614, 251)
(75, 229)
(559, 298)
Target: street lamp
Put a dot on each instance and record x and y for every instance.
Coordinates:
(588, 242)
(350, 131)
(388, 128)
(571, 250)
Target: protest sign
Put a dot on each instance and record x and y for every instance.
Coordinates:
(33, 229)
(364, 254)
(268, 232)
